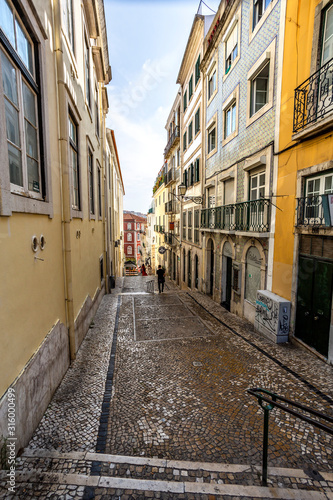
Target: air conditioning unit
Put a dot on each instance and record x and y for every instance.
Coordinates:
(272, 317)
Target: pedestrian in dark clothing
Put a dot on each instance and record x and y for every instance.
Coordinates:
(160, 278)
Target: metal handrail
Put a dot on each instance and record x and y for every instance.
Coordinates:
(272, 401)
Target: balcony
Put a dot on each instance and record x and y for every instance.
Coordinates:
(252, 216)
(170, 176)
(174, 140)
(314, 99)
(159, 229)
(313, 211)
(170, 207)
(169, 239)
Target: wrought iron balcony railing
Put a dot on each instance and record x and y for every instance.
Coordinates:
(170, 207)
(170, 239)
(174, 136)
(251, 215)
(170, 176)
(158, 229)
(313, 211)
(314, 97)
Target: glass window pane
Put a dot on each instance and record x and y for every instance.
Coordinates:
(33, 175)
(31, 140)
(24, 47)
(12, 124)
(329, 184)
(29, 104)
(15, 165)
(7, 21)
(9, 79)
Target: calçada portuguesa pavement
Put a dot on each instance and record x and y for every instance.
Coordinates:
(156, 406)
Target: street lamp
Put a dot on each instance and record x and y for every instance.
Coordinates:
(198, 200)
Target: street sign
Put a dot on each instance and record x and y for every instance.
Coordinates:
(161, 250)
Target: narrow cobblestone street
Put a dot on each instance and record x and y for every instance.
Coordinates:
(156, 406)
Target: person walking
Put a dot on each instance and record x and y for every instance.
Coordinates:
(160, 278)
(143, 270)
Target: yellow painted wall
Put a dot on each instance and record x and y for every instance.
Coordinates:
(296, 69)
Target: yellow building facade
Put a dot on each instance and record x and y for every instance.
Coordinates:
(53, 208)
(303, 252)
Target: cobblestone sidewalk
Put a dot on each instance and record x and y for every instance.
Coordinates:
(175, 420)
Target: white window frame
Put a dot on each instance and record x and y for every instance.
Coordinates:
(268, 57)
(129, 250)
(212, 124)
(129, 237)
(129, 225)
(233, 99)
(213, 69)
(254, 28)
(234, 22)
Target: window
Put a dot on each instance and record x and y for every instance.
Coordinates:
(184, 141)
(74, 162)
(184, 225)
(197, 70)
(185, 101)
(87, 72)
(21, 93)
(129, 250)
(230, 120)
(190, 88)
(197, 122)
(190, 132)
(138, 237)
(67, 13)
(257, 186)
(259, 7)
(211, 139)
(259, 90)
(91, 182)
(129, 226)
(129, 236)
(211, 84)
(260, 85)
(196, 225)
(327, 42)
(231, 48)
(197, 170)
(99, 188)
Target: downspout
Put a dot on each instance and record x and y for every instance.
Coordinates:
(64, 180)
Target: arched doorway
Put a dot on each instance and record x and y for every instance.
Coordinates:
(252, 274)
(210, 266)
(196, 271)
(226, 275)
(189, 269)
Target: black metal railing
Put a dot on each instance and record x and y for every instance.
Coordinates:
(175, 135)
(268, 401)
(313, 211)
(314, 97)
(251, 215)
(170, 207)
(170, 176)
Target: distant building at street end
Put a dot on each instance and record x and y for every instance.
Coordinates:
(135, 253)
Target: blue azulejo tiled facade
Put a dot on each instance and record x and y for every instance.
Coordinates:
(240, 69)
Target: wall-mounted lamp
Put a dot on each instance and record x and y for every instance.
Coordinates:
(198, 200)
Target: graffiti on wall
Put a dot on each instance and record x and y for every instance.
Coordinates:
(272, 315)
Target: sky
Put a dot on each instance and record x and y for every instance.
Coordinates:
(146, 40)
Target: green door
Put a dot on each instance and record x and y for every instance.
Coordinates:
(314, 300)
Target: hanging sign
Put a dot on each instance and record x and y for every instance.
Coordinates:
(161, 250)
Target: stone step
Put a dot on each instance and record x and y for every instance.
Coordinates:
(91, 475)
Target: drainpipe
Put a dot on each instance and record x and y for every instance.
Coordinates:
(61, 96)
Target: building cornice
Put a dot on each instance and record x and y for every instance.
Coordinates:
(196, 33)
